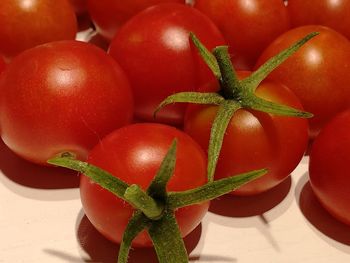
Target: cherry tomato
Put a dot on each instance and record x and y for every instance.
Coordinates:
(334, 14)
(110, 15)
(27, 23)
(254, 140)
(248, 26)
(318, 73)
(328, 167)
(155, 51)
(2, 65)
(62, 96)
(80, 6)
(134, 154)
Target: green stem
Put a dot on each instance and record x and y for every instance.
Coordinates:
(230, 86)
(211, 190)
(157, 188)
(167, 240)
(142, 201)
(259, 104)
(190, 97)
(99, 176)
(207, 56)
(136, 225)
(217, 133)
(253, 81)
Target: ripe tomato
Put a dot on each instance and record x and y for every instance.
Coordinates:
(134, 154)
(80, 6)
(318, 73)
(2, 65)
(254, 140)
(248, 26)
(334, 14)
(25, 24)
(62, 96)
(328, 167)
(155, 51)
(109, 15)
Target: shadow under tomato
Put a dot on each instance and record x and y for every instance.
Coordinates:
(96, 39)
(100, 249)
(84, 22)
(245, 206)
(32, 175)
(318, 216)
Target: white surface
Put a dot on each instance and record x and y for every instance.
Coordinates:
(41, 220)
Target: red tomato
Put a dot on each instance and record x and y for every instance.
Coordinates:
(62, 96)
(134, 154)
(27, 23)
(155, 51)
(248, 26)
(80, 6)
(110, 15)
(2, 65)
(318, 73)
(328, 167)
(334, 14)
(254, 140)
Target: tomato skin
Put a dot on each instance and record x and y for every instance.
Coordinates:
(318, 73)
(25, 24)
(328, 167)
(110, 15)
(155, 51)
(254, 140)
(80, 6)
(134, 154)
(330, 13)
(260, 20)
(62, 96)
(2, 65)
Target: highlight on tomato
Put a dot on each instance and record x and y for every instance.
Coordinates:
(26, 24)
(146, 184)
(109, 15)
(62, 97)
(155, 51)
(254, 139)
(245, 120)
(318, 73)
(134, 154)
(248, 26)
(330, 13)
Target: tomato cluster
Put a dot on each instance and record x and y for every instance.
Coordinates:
(63, 97)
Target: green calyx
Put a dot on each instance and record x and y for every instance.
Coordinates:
(155, 207)
(234, 94)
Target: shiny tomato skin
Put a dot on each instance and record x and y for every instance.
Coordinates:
(109, 15)
(254, 140)
(328, 167)
(155, 51)
(318, 73)
(330, 13)
(26, 24)
(248, 26)
(134, 154)
(62, 96)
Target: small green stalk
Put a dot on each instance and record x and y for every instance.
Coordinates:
(142, 201)
(234, 94)
(155, 208)
(230, 84)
